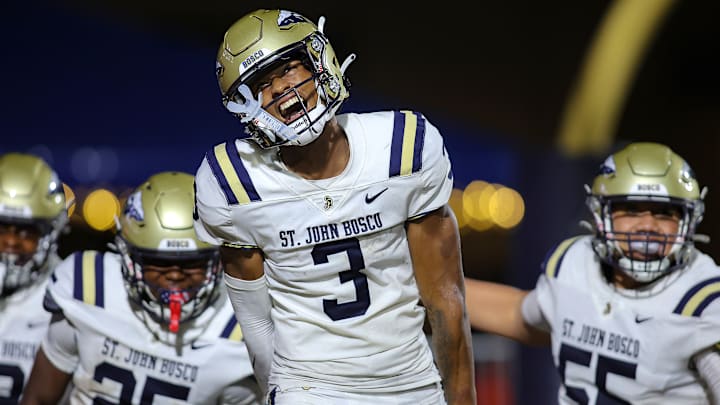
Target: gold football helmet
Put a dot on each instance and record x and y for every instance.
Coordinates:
(649, 173)
(258, 42)
(32, 203)
(156, 229)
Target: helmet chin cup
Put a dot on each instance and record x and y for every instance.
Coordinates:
(303, 131)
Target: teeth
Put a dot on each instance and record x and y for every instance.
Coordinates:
(284, 106)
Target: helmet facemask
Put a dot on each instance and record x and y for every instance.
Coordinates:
(170, 306)
(18, 271)
(644, 256)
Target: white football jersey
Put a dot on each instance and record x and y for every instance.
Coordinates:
(116, 358)
(339, 271)
(615, 346)
(23, 322)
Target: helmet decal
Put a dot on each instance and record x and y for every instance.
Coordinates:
(608, 166)
(133, 207)
(649, 188)
(286, 18)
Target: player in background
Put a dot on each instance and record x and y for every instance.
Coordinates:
(148, 324)
(632, 312)
(32, 215)
(333, 229)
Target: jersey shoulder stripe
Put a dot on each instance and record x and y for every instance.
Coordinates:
(694, 302)
(89, 278)
(232, 331)
(554, 260)
(230, 172)
(408, 139)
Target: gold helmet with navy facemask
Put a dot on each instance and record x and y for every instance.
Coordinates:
(259, 42)
(32, 201)
(646, 172)
(156, 228)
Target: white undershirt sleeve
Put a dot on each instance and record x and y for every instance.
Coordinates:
(251, 303)
(60, 344)
(707, 363)
(532, 314)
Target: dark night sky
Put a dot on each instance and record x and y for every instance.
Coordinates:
(500, 67)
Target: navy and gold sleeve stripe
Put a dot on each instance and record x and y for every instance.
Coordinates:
(554, 260)
(228, 169)
(89, 278)
(232, 330)
(408, 139)
(694, 302)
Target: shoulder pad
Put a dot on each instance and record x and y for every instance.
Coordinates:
(232, 331)
(694, 302)
(408, 140)
(89, 282)
(553, 260)
(230, 173)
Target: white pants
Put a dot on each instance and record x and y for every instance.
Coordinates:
(427, 395)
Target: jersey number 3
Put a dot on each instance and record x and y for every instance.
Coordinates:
(351, 247)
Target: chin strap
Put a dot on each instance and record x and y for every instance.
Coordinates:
(250, 110)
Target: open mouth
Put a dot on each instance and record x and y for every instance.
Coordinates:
(291, 109)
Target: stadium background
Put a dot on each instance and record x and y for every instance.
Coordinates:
(111, 92)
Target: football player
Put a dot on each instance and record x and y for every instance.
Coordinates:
(32, 215)
(632, 312)
(148, 323)
(333, 228)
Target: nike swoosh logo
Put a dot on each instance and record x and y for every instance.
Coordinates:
(196, 345)
(638, 319)
(369, 199)
(33, 325)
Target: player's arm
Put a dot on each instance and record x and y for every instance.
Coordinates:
(497, 308)
(248, 292)
(244, 392)
(47, 383)
(435, 248)
(707, 364)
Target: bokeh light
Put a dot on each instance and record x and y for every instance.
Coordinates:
(456, 203)
(100, 209)
(482, 206)
(506, 207)
(475, 204)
